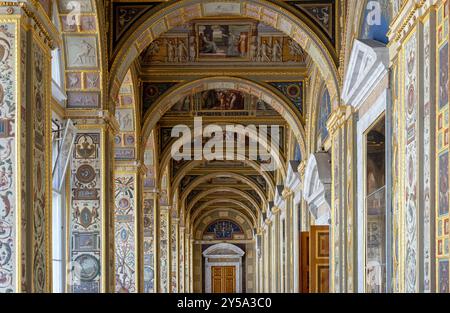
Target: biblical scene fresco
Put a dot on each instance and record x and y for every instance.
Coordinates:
(216, 40)
(216, 102)
(240, 41)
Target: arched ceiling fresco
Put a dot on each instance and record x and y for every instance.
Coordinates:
(155, 22)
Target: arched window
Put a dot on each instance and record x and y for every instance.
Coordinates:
(377, 17)
(297, 153)
(223, 229)
(322, 118)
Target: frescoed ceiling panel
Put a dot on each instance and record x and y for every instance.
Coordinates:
(124, 15)
(321, 13)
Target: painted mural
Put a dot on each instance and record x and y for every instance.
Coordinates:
(125, 141)
(164, 251)
(442, 150)
(223, 229)
(427, 157)
(322, 117)
(443, 76)
(149, 244)
(223, 41)
(411, 159)
(219, 102)
(40, 177)
(125, 233)
(86, 215)
(293, 91)
(152, 92)
(173, 256)
(8, 111)
(182, 260)
(23, 156)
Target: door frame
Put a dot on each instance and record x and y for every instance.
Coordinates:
(208, 274)
(234, 253)
(377, 110)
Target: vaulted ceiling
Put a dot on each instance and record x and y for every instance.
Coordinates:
(222, 47)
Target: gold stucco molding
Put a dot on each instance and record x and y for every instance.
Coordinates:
(338, 117)
(45, 27)
(287, 192)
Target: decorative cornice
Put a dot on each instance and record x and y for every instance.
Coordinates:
(133, 166)
(338, 117)
(287, 192)
(302, 168)
(93, 117)
(408, 15)
(42, 22)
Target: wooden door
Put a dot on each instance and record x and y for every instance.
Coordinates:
(304, 262)
(223, 279)
(319, 259)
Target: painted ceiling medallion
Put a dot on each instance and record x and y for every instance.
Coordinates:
(88, 267)
(124, 203)
(85, 174)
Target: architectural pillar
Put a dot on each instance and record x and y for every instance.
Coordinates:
(26, 40)
(440, 235)
(342, 261)
(267, 256)
(150, 235)
(187, 247)
(288, 197)
(418, 61)
(181, 259)
(127, 228)
(174, 248)
(191, 263)
(91, 218)
(164, 246)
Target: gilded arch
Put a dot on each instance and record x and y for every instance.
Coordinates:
(277, 157)
(211, 191)
(246, 180)
(203, 220)
(192, 164)
(201, 211)
(283, 106)
(151, 26)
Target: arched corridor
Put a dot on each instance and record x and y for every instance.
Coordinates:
(224, 146)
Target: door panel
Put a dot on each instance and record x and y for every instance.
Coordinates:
(216, 273)
(230, 279)
(304, 262)
(320, 255)
(223, 279)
